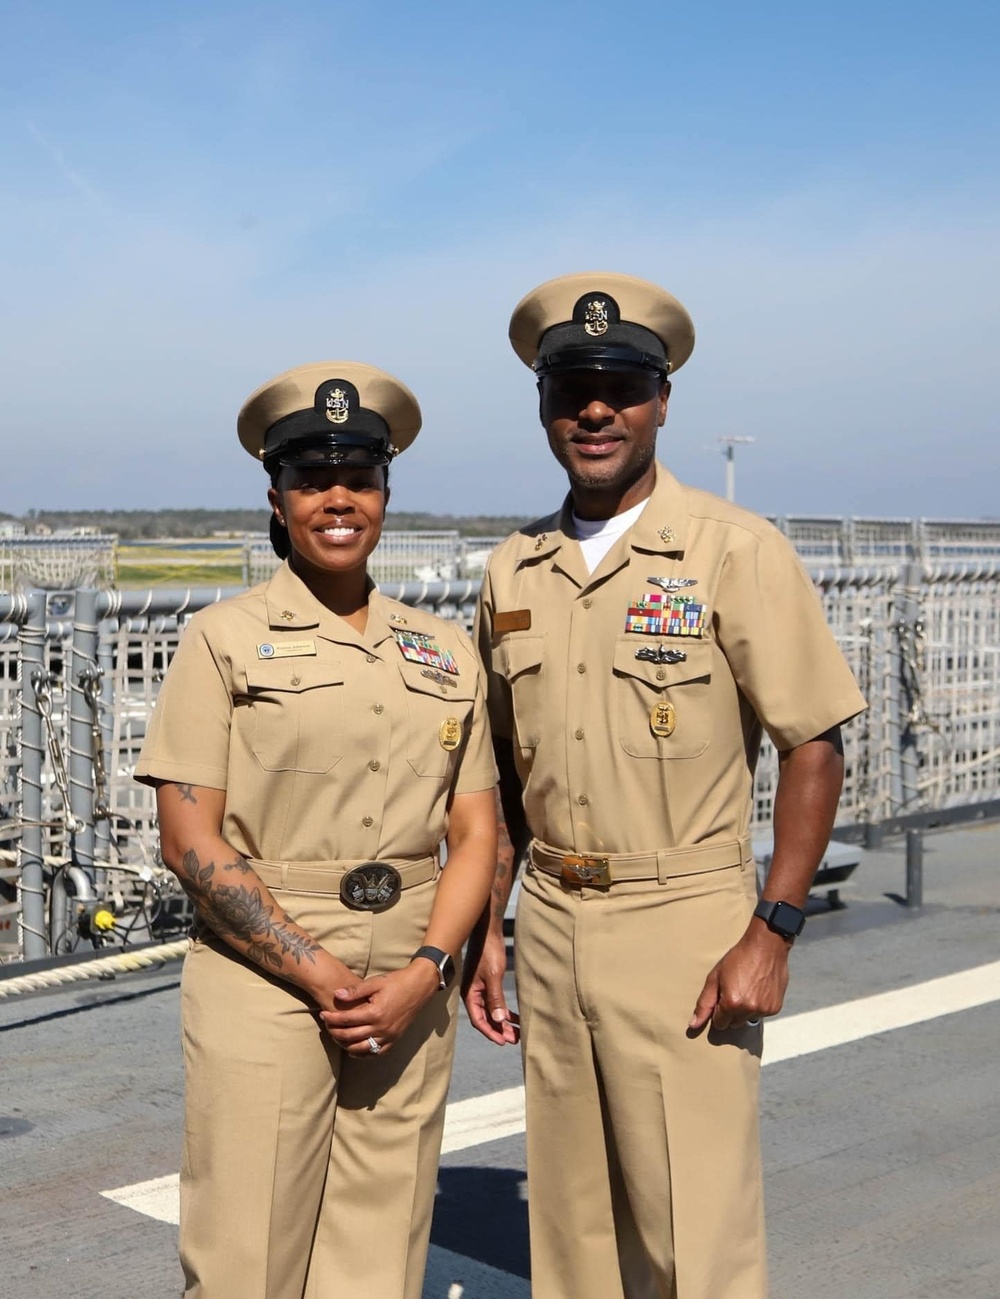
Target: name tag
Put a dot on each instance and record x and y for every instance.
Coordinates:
(288, 649)
(512, 620)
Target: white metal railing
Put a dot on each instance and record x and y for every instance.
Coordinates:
(79, 674)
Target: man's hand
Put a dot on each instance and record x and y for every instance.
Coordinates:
(482, 988)
(750, 980)
(382, 1007)
(747, 984)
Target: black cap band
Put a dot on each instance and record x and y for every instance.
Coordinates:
(309, 424)
(598, 339)
(600, 358)
(329, 449)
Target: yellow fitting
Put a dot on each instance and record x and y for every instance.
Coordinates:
(102, 919)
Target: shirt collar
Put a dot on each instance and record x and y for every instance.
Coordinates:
(660, 529)
(291, 605)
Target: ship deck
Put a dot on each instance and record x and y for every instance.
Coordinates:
(881, 1129)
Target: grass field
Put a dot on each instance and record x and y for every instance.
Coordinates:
(184, 564)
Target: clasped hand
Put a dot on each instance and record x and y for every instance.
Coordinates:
(381, 1008)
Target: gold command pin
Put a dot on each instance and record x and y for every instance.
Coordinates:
(450, 733)
(662, 719)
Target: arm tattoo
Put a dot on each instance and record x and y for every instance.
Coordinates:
(187, 793)
(505, 865)
(236, 912)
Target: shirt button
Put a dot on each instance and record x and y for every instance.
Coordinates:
(368, 822)
(370, 658)
(581, 668)
(587, 603)
(660, 674)
(374, 764)
(378, 708)
(583, 800)
(578, 733)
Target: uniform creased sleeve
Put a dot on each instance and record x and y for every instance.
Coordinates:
(477, 768)
(498, 699)
(188, 735)
(772, 629)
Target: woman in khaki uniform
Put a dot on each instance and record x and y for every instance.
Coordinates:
(312, 745)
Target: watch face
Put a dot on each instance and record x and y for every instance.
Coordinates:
(447, 969)
(787, 920)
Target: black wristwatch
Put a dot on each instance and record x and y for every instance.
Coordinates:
(445, 965)
(781, 918)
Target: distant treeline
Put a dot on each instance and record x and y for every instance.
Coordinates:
(144, 524)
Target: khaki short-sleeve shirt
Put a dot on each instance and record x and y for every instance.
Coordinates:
(635, 695)
(331, 745)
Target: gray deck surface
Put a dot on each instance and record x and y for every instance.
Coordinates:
(882, 1156)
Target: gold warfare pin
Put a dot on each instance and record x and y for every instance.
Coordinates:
(663, 719)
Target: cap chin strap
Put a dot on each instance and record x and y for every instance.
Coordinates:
(600, 358)
(339, 449)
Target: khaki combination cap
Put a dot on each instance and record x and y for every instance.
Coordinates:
(599, 320)
(336, 412)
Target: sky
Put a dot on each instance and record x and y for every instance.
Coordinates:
(197, 196)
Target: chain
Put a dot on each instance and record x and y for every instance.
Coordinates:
(863, 784)
(42, 683)
(911, 646)
(91, 679)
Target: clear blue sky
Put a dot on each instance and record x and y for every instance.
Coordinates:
(194, 197)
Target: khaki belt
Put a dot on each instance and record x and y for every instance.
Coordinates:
(600, 870)
(327, 877)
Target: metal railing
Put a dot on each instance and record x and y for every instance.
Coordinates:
(79, 674)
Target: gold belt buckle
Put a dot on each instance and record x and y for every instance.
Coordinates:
(594, 872)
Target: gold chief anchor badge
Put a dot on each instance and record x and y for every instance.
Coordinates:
(450, 733)
(662, 719)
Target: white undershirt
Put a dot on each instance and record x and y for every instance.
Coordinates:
(597, 536)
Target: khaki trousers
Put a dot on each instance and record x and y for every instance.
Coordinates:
(308, 1173)
(644, 1178)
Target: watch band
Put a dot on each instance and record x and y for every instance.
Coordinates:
(445, 965)
(781, 917)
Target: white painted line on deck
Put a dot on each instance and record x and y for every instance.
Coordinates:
(480, 1119)
(819, 1030)
(483, 1118)
(156, 1199)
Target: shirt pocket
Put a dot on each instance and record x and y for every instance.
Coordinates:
(439, 719)
(523, 664)
(640, 686)
(298, 714)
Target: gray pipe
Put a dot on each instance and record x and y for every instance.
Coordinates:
(105, 661)
(32, 655)
(906, 790)
(83, 660)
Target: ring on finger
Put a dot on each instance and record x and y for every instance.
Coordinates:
(751, 1023)
(373, 1046)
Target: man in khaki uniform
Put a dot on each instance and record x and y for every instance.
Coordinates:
(636, 643)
